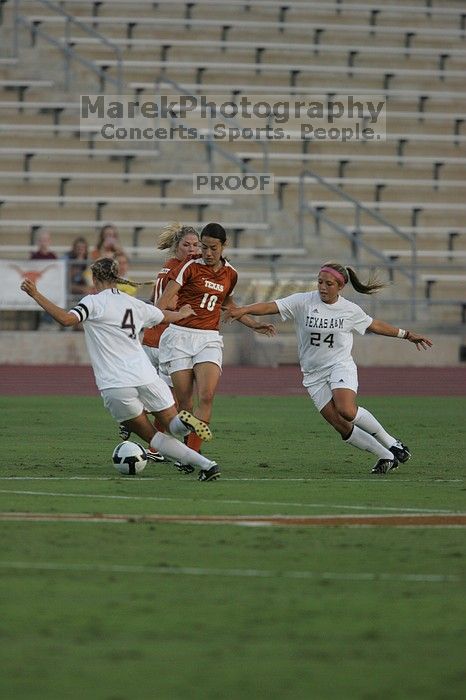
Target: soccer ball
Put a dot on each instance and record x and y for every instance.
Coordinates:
(129, 457)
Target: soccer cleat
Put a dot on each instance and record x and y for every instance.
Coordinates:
(400, 452)
(124, 432)
(155, 456)
(384, 465)
(209, 474)
(184, 468)
(195, 425)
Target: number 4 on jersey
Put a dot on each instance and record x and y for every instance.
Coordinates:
(128, 323)
(329, 340)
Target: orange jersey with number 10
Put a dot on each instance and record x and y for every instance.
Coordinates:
(205, 290)
(152, 335)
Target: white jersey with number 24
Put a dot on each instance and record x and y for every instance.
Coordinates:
(324, 331)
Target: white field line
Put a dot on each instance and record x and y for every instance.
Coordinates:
(228, 573)
(395, 479)
(287, 504)
(278, 480)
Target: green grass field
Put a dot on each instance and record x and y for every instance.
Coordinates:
(156, 610)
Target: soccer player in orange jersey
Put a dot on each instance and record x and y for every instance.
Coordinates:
(191, 350)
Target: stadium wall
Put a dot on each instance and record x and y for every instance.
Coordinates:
(68, 348)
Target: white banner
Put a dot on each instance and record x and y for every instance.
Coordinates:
(49, 276)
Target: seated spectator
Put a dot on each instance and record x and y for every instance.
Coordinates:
(43, 242)
(123, 264)
(108, 243)
(78, 275)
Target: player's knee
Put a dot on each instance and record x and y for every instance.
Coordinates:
(348, 413)
(346, 409)
(206, 396)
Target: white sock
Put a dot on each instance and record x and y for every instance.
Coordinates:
(366, 421)
(168, 446)
(177, 428)
(359, 438)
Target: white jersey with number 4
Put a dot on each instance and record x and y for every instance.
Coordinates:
(112, 321)
(324, 331)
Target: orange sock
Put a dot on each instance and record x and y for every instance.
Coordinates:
(194, 442)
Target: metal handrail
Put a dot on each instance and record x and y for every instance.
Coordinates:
(344, 195)
(229, 156)
(68, 52)
(212, 146)
(354, 234)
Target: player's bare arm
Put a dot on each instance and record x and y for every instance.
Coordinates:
(174, 316)
(263, 308)
(64, 318)
(383, 328)
(167, 295)
(261, 328)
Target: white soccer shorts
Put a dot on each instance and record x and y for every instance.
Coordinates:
(182, 348)
(125, 403)
(153, 355)
(342, 376)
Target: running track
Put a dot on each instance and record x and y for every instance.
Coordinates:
(31, 380)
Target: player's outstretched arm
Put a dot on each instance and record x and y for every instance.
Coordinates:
(383, 328)
(64, 318)
(258, 326)
(247, 320)
(262, 308)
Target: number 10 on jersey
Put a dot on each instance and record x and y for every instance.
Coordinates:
(208, 302)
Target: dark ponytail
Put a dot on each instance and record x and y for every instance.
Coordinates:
(370, 287)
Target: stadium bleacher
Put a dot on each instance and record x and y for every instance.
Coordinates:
(412, 55)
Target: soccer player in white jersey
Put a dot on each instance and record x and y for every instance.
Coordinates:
(324, 322)
(128, 383)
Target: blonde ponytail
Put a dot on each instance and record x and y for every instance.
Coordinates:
(172, 234)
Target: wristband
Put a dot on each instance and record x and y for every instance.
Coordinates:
(402, 333)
